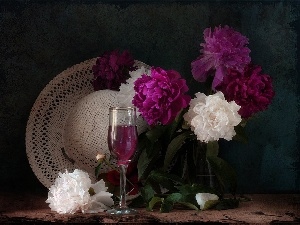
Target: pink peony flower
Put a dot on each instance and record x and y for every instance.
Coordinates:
(250, 89)
(223, 48)
(112, 69)
(161, 96)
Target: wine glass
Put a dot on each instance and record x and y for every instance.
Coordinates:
(122, 142)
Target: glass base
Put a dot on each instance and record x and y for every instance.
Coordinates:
(122, 211)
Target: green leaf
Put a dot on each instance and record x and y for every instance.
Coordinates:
(153, 149)
(169, 201)
(154, 184)
(174, 197)
(98, 169)
(173, 127)
(165, 179)
(155, 133)
(212, 148)
(143, 142)
(189, 192)
(210, 204)
(153, 201)
(224, 172)
(146, 162)
(166, 207)
(147, 192)
(143, 163)
(173, 148)
(189, 205)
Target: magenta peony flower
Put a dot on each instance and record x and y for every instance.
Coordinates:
(223, 48)
(161, 96)
(112, 69)
(251, 89)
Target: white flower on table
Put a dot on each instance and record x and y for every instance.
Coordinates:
(73, 192)
(203, 198)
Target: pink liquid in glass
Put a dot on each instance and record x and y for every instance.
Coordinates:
(122, 142)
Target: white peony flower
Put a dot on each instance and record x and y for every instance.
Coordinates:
(101, 199)
(212, 117)
(70, 194)
(202, 198)
(126, 93)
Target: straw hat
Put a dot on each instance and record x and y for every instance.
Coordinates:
(68, 123)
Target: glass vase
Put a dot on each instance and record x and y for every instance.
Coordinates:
(204, 173)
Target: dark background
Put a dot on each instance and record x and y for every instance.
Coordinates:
(40, 39)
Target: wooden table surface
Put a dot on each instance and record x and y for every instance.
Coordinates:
(30, 208)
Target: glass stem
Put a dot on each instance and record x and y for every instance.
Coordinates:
(123, 169)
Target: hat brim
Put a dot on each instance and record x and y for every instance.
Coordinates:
(45, 127)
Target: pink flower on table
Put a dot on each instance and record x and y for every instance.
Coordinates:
(223, 48)
(160, 96)
(250, 89)
(112, 69)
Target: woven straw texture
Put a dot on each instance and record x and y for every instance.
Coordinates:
(68, 123)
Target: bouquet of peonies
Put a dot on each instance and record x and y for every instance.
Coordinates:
(184, 131)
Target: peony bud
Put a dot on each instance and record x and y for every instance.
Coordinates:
(100, 157)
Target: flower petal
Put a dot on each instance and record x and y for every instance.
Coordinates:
(202, 198)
